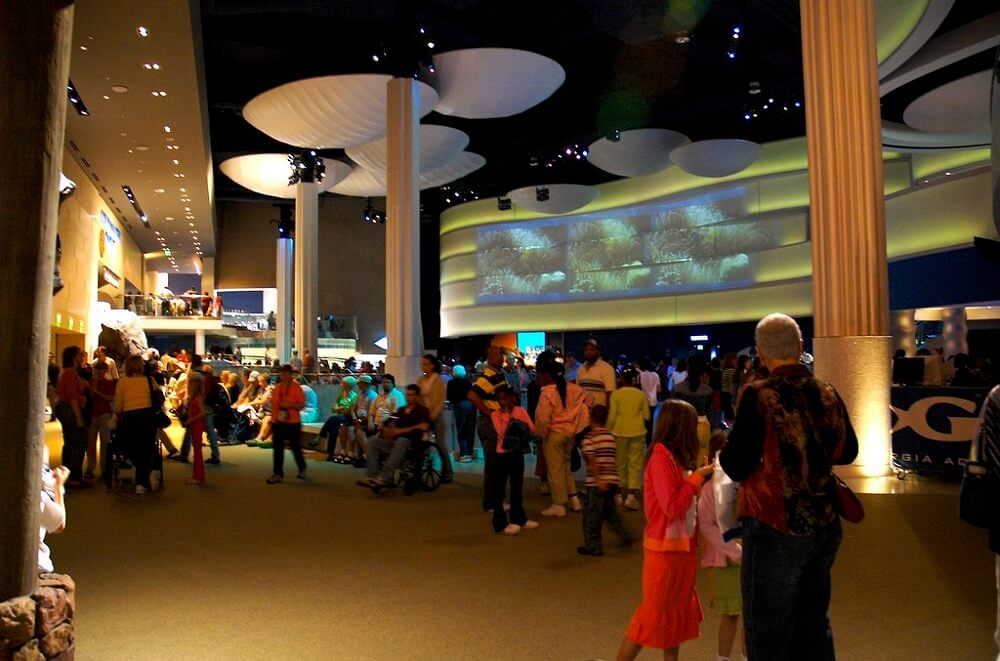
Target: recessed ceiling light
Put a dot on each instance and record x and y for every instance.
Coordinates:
(130, 151)
(119, 89)
(182, 189)
(159, 190)
(176, 162)
(142, 31)
(107, 98)
(141, 148)
(169, 218)
(191, 224)
(83, 48)
(166, 129)
(682, 38)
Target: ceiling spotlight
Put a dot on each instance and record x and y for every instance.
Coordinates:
(430, 44)
(542, 194)
(142, 31)
(166, 129)
(754, 87)
(503, 203)
(682, 37)
(731, 55)
(76, 100)
(375, 58)
(616, 136)
(746, 116)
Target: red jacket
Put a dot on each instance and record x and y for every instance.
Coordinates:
(669, 503)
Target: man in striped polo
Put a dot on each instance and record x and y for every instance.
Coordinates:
(484, 397)
(595, 375)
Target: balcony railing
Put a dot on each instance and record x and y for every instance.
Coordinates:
(206, 307)
(179, 305)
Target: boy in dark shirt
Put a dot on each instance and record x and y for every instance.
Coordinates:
(412, 422)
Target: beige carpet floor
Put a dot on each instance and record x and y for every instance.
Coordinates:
(322, 569)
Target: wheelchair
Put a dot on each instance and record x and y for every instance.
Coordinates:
(420, 468)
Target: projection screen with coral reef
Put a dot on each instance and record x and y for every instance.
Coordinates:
(701, 243)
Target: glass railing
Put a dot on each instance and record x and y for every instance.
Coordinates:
(206, 307)
(176, 305)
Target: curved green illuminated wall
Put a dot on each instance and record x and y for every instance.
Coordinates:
(944, 213)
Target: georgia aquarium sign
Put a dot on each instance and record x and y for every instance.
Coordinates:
(111, 232)
(933, 427)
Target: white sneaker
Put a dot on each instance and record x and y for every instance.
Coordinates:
(511, 529)
(530, 525)
(632, 502)
(575, 504)
(554, 510)
(140, 489)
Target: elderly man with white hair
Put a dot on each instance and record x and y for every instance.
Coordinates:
(791, 429)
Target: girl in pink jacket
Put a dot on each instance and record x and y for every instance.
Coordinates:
(722, 561)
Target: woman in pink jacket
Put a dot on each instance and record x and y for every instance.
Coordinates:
(722, 559)
(670, 610)
(561, 414)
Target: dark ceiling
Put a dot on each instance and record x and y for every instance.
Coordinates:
(624, 69)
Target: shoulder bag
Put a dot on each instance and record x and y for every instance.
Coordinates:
(978, 488)
(157, 398)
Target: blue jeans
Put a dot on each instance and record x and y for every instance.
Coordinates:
(786, 592)
(213, 436)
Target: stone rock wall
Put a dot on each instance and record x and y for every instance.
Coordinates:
(40, 627)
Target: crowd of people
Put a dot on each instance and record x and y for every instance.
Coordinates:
(667, 439)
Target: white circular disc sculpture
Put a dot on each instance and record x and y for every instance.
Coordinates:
(715, 158)
(482, 83)
(438, 145)
(638, 153)
(563, 198)
(328, 111)
(961, 106)
(363, 182)
(268, 174)
(465, 163)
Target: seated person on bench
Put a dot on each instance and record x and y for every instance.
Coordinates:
(413, 422)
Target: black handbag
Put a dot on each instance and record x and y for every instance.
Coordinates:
(157, 398)
(978, 492)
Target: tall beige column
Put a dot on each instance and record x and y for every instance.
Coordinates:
(402, 236)
(903, 328)
(34, 65)
(847, 216)
(306, 267)
(284, 283)
(956, 331)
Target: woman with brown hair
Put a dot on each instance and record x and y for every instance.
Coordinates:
(670, 610)
(137, 420)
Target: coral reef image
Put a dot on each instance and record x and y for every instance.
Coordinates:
(520, 261)
(596, 245)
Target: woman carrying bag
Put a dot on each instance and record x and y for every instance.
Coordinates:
(138, 415)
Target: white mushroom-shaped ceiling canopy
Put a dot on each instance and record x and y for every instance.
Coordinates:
(363, 182)
(639, 151)
(715, 158)
(328, 111)
(480, 83)
(438, 145)
(268, 174)
(959, 106)
(562, 198)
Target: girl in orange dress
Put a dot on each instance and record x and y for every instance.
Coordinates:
(670, 610)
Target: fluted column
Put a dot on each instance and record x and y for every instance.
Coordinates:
(847, 216)
(306, 267)
(34, 65)
(283, 315)
(402, 236)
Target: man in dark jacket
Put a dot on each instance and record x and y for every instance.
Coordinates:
(790, 429)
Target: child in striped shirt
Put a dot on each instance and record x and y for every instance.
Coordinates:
(598, 449)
